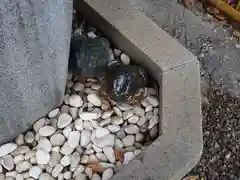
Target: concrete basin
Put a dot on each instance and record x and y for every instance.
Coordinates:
(179, 145)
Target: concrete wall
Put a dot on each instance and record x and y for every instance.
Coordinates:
(176, 70)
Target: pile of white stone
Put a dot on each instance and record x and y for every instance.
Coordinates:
(84, 138)
(81, 139)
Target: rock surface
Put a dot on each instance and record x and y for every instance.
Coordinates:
(33, 69)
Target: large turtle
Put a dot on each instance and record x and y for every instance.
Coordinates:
(89, 57)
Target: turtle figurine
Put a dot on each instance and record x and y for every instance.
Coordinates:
(88, 57)
(126, 83)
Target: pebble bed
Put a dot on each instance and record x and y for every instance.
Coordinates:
(82, 139)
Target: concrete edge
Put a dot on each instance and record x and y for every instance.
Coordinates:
(179, 148)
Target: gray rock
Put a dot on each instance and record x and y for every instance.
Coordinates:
(34, 61)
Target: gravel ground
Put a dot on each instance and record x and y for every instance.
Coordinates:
(221, 128)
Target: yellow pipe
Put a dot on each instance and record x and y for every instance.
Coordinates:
(225, 8)
(238, 5)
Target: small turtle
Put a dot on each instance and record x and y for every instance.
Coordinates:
(89, 57)
(126, 83)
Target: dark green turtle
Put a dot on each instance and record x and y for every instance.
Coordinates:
(89, 57)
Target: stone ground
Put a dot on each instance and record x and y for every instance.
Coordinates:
(219, 54)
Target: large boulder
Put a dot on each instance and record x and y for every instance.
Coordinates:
(34, 49)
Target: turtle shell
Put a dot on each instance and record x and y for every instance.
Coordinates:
(123, 82)
(88, 57)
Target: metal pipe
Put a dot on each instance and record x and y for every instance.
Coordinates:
(225, 8)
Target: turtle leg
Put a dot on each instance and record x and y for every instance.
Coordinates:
(138, 96)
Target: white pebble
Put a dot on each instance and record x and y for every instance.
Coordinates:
(116, 120)
(95, 124)
(137, 152)
(19, 177)
(73, 139)
(66, 160)
(107, 114)
(94, 99)
(75, 101)
(107, 174)
(85, 137)
(113, 128)
(88, 172)
(127, 157)
(100, 132)
(101, 157)
(151, 92)
(46, 131)
(107, 165)
(17, 159)
(63, 120)
(54, 159)
(95, 176)
(57, 139)
(53, 113)
(45, 176)
(118, 144)
(42, 156)
(67, 175)
(139, 137)
(73, 112)
(23, 166)
(33, 160)
(108, 151)
(105, 122)
(117, 111)
(67, 130)
(66, 149)
(20, 140)
(75, 159)
(35, 172)
(20, 150)
(131, 129)
(7, 148)
(142, 121)
(78, 86)
(88, 125)
(29, 137)
(56, 149)
(7, 162)
(128, 140)
(152, 122)
(134, 119)
(80, 176)
(78, 124)
(139, 111)
(89, 151)
(80, 169)
(44, 144)
(84, 159)
(11, 174)
(127, 114)
(38, 124)
(88, 116)
(29, 154)
(125, 107)
(149, 108)
(108, 140)
(26, 175)
(125, 59)
(91, 34)
(96, 148)
(153, 101)
(57, 170)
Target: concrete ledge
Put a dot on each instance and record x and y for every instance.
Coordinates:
(176, 70)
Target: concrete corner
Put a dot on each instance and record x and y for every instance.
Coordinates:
(176, 70)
